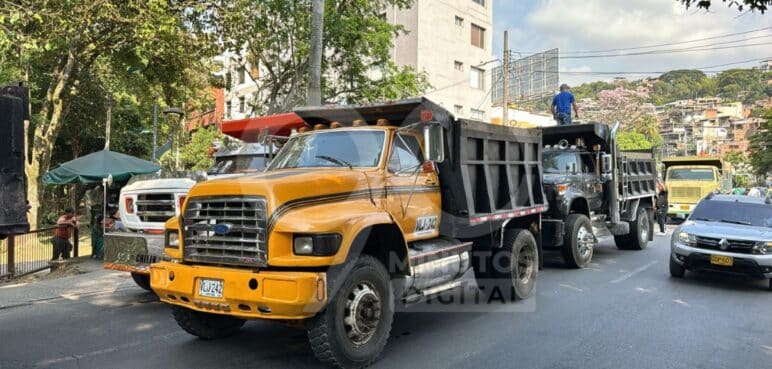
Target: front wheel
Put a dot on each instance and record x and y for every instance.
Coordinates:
(640, 229)
(142, 280)
(353, 329)
(206, 325)
(578, 241)
(676, 270)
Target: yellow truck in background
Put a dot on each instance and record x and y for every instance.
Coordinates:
(374, 205)
(689, 179)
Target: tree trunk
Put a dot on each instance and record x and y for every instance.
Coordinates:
(45, 135)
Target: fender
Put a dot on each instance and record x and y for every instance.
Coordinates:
(569, 197)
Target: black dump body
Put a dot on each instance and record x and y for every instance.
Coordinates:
(591, 134)
(490, 174)
(13, 197)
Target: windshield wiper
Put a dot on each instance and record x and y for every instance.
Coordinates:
(734, 222)
(336, 161)
(704, 219)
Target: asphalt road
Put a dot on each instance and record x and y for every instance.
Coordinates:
(624, 311)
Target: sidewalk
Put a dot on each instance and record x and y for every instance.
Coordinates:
(83, 276)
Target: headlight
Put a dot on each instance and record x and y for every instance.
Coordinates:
(172, 239)
(762, 248)
(686, 239)
(561, 189)
(317, 245)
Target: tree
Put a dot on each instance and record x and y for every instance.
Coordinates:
(752, 5)
(356, 67)
(628, 140)
(194, 154)
(735, 157)
(590, 90)
(126, 47)
(682, 84)
(760, 147)
(741, 85)
(620, 105)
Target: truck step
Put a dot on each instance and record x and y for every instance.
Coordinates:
(427, 250)
(427, 293)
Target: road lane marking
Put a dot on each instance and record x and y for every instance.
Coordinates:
(125, 346)
(570, 287)
(634, 272)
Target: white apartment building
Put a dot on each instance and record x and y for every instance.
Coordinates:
(450, 40)
(240, 87)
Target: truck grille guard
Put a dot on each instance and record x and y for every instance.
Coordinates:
(229, 230)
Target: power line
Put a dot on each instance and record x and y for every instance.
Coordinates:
(658, 45)
(664, 51)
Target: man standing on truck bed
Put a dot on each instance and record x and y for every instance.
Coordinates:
(561, 106)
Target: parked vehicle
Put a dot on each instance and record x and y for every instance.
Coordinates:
(689, 179)
(595, 190)
(728, 234)
(364, 209)
(148, 201)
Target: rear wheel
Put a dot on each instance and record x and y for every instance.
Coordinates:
(205, 325)
(676, 270)
(511, 268)
(578, 241)
(353, 329)
(142, 280)
(640, 230)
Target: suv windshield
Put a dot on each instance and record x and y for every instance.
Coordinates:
(238, 164)
(558, 162)
(690, 174)
(361, 148)
(757, 215)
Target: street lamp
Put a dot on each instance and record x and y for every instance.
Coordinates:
(179, 112)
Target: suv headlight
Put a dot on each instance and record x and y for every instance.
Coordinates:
(316, 245)
(687, 239)
(172, 239)
(762, 248)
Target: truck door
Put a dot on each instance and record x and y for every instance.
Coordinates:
(590, 179)
(412, 194)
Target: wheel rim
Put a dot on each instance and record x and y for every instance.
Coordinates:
(584, 242)
(362, 313)
(525, 264)
(643, 224)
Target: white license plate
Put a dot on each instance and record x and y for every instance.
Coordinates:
(210, 288)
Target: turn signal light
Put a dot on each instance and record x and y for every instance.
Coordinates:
(181, 201)
(129, 203)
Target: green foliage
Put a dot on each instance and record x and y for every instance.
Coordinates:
(194, 154)
(735, 157)
(752, 5)
(682, 84)
(590, 90)
(741, 85)
(356, 66)
(629, 140)
(760, 147)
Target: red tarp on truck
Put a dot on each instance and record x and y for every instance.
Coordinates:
(248, 129)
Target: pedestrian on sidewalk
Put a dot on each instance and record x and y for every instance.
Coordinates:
(561, 106)
(62, 234)
(661, 205)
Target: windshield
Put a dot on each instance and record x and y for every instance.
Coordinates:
(684, 174)
(757, 215)
(331, 149)
(557, 162)
(238, 164)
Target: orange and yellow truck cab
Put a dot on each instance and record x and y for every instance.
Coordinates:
(375, 204)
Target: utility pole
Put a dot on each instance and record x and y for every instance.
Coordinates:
(315, 55)
(155, 129)
(505, 81)
(107, 123)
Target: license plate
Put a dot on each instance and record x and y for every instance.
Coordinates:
(684, 207)
(210, 288)
(721, 260)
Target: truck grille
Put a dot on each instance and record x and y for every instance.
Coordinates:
(155, 207)
(685, 192)
(739, 246)
(225, 230)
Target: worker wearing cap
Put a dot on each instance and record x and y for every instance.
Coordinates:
(561, 106)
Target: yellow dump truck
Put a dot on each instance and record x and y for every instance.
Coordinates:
(689, 179)
(373, 206)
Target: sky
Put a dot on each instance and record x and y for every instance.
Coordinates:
(591, 25)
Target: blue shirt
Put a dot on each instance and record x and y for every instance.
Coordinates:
(563, 102)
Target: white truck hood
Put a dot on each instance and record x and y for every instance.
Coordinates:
(160, 185)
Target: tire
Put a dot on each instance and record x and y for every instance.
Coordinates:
(495, 273)
(338, 342)
(142, 280)
(676, 270)
(576, 252)
(640, 229)
(206, 326)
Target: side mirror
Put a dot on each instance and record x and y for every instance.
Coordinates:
(605, 161)
(434, 143)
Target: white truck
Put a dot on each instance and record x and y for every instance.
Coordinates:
(149, 200)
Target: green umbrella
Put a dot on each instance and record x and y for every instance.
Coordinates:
(96, 166)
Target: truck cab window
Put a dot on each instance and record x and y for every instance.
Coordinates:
(559, 162)
(330, 149)
(406, 153)
(588, 163)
